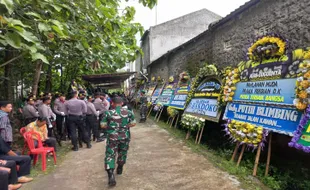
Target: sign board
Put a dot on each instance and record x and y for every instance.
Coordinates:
(150, 91)
(179, 99)
(204, 103)
(166, 95)
(156, 93)
(268, 91)
(204, 107)
(280, 120)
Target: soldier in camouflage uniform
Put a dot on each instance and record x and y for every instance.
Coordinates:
(143, 109)
(117, 123)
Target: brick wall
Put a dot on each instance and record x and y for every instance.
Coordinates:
(226, 45)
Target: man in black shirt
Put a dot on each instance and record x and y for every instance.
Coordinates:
(24, 162)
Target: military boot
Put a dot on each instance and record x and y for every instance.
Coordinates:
(112, 181)
(119, 169)
(81, 144)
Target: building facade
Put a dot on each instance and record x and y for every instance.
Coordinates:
(225, 42)
(162, 38)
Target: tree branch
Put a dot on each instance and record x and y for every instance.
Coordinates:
(11, 60)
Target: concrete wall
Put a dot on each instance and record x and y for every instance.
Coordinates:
(226, 45)
(171, 34)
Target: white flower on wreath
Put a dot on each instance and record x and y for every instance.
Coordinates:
(296, 101)
(308, 90)
(299, 79)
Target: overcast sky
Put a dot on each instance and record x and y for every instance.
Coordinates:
(170, 9)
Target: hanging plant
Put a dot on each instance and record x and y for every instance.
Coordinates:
(172, 112)
(208, 70)
(246, 133)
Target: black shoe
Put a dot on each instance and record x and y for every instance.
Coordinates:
(88, 145)
(112, 181)
(100, 140)
(119, 169)
(75, 148)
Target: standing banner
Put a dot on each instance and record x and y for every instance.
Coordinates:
(166, 94)
(179, 99)
(156, 93)
(205, 101)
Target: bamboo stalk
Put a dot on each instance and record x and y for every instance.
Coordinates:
(176, 123)
(150, 111)
(241, 155)
(201, 134)
(269, 155)
(188, 134)
(197, 136)
(168, 120)
(156, 114)
(161, 111)
(257, 160)
(172, 121)
(235, 152)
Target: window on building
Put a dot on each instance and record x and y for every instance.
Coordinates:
(227, 45)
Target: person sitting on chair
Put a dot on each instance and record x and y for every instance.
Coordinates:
(40, 127)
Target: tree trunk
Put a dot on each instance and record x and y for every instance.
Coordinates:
(48, 84)
(36, 77)
(8, 75)
(61, 80)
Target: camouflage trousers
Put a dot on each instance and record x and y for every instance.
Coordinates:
(119, 147)
(143, 111)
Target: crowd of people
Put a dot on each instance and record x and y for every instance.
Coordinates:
(81, 119)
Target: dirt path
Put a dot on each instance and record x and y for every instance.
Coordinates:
(155, 161)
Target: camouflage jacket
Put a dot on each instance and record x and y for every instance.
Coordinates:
(117, 121)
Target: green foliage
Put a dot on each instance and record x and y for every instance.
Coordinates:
(81, 37)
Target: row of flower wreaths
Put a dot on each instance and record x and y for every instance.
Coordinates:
(243, 132)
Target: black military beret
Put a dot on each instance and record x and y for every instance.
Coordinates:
(117, 100)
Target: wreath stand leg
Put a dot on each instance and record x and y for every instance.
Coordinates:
(201, 134)
(241, 155)
(257, 160)
(188, 134)
(168, 121)
(235, 152)
(150, 111)
(269, 155)
(176, 123)
(172, 121)
(197, 136)
(156, 114)
(161, 111)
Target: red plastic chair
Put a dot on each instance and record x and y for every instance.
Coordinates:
(29, 136)
(22, 131)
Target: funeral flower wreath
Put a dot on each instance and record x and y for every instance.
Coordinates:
(192, 123)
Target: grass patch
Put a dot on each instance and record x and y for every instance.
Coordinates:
(62, 151)
(221, 159)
